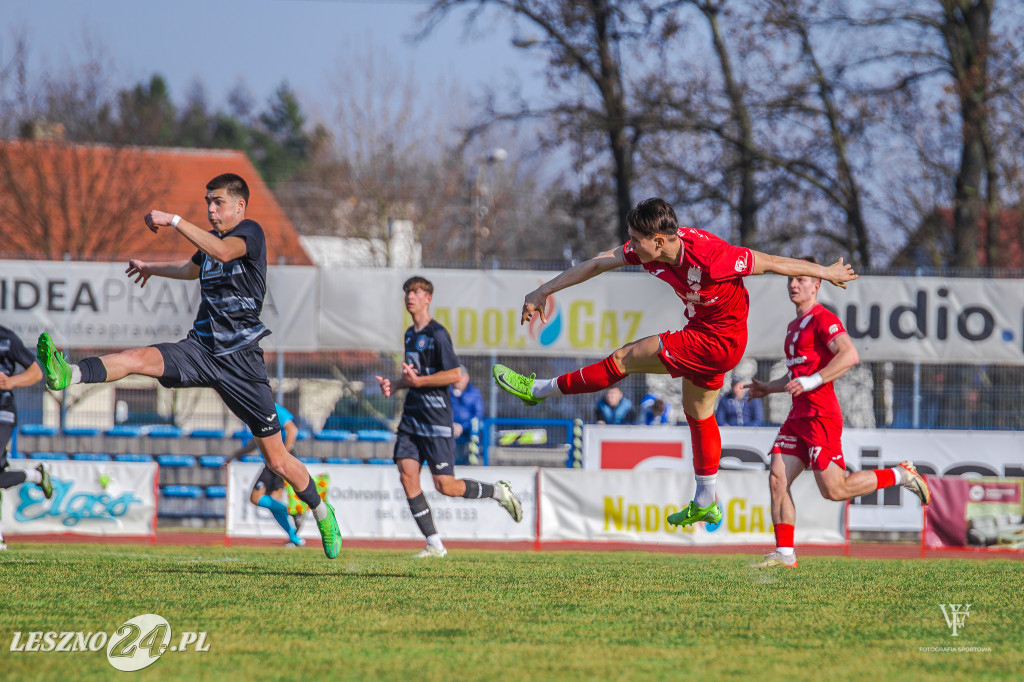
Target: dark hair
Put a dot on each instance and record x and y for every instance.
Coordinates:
(234, 184)
(652, 216)
(417, 282)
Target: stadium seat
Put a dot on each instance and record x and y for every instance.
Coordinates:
(242, 434)
(380, 460)
(192, 491)
(17, 455)
(91, 457)
(216, 491)
(133, 457)
(212, 461)
(334, 435)
(162, 431)
(343, 460)
(50, 455)
(176, 460)
(377, 435)
(304, 434)
(81, 431)
(124, 431)
(37, 430)
(310, 460)
(206, 433)
(252, 459)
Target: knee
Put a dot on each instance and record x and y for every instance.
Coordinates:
(833, 493)
(277, 463)
(446, 486)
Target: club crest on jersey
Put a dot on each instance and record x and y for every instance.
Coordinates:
(212, 268)
(833, 329)
(421, 342)
(741, 264)
(693, 278)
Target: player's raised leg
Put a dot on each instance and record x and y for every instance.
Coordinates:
(59, 373)
(699, 407)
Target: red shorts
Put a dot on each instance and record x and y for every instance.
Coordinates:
(700, 356)
(816, 441)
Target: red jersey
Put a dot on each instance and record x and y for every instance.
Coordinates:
(708, 278)
(807, 339)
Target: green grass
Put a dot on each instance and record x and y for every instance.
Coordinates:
(275, 613)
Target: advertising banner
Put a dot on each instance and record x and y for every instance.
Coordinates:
(618, 506)
(983, 512)
(370, 503)
(89, 498)
(947, 453)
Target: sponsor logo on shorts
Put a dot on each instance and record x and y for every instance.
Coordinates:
(442, 465)
(271, 418)
(135, 645)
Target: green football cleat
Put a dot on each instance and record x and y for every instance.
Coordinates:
(330, 533)
(55, 367)
(692, 514)
(45, 483)
(515, 383)
(509, 502)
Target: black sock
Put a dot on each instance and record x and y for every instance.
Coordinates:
(309, 495)
(475, 489)
(9, 479)
(93, 371)
(421, 512)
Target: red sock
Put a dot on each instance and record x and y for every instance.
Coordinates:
(707, 445)
(592, 378)
(886, 478)
(783, 534)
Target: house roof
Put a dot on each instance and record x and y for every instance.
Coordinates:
(88, 201)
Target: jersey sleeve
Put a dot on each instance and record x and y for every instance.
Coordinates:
(23, 356)
(197, 258)
(446, 351)
(725, 261)
(252, 233)
(828, 325)
(629, 255)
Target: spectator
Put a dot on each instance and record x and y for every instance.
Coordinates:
(467, 417)
(614, 408)
(655, 410)
(735, 409)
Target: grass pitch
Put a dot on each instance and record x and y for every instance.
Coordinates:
(373, 614)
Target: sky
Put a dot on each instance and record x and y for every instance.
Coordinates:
(260, 43)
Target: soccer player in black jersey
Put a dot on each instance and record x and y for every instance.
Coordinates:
(12, 354)
(222, 350)
(425, 432)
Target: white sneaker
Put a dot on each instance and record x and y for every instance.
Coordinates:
(431, 552)
(509, 502)
(915, 483)
(3, 546)
(773, 559)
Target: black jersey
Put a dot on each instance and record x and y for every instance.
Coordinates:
(12, 353)
(428, 411)
(232, 294)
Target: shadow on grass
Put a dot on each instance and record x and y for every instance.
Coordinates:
(290, 574)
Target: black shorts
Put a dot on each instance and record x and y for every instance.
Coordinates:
(239, 378)
(5, 437)
(439, 453)
(268, 481)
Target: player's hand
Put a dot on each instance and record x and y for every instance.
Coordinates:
(140, 271)
(157, 219)
(757, 389)
(410, 377)
(839, 273)
(385, 386)
(535, 302)
(456, 429)
(5, 382)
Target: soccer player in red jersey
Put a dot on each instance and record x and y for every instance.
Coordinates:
(818, 351)
(707, 274)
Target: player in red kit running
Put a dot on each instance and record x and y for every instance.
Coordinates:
(818, 351)
(707, 274)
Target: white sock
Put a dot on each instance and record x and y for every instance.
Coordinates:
(705, 494)
(499, 492)
(33, 476)
(542, 388)
(786, 551)
(76, 375)
(320, 511)
(902, 475)
(435, 541)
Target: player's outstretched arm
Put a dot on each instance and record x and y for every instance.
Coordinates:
(141, 271)
(536, 299)
(838, 273)
(759, 389)
(222, 250)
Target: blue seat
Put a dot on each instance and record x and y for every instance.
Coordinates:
(334, 435)
(191, 491)
(91, 457)
(133, 457)
(303, 434)
(124, 431)
(212, 461)
(81, 431)
(176, 460)
(37, 430)
(206, 433)
(380, 460)
(17, 455)
(216, 491)
(242, 434)
(377, 435)
(310, 460)
(50, 455)
(162, 431)
(343, 460)
(252, 458)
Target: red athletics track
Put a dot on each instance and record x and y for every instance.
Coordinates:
(860, 550)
